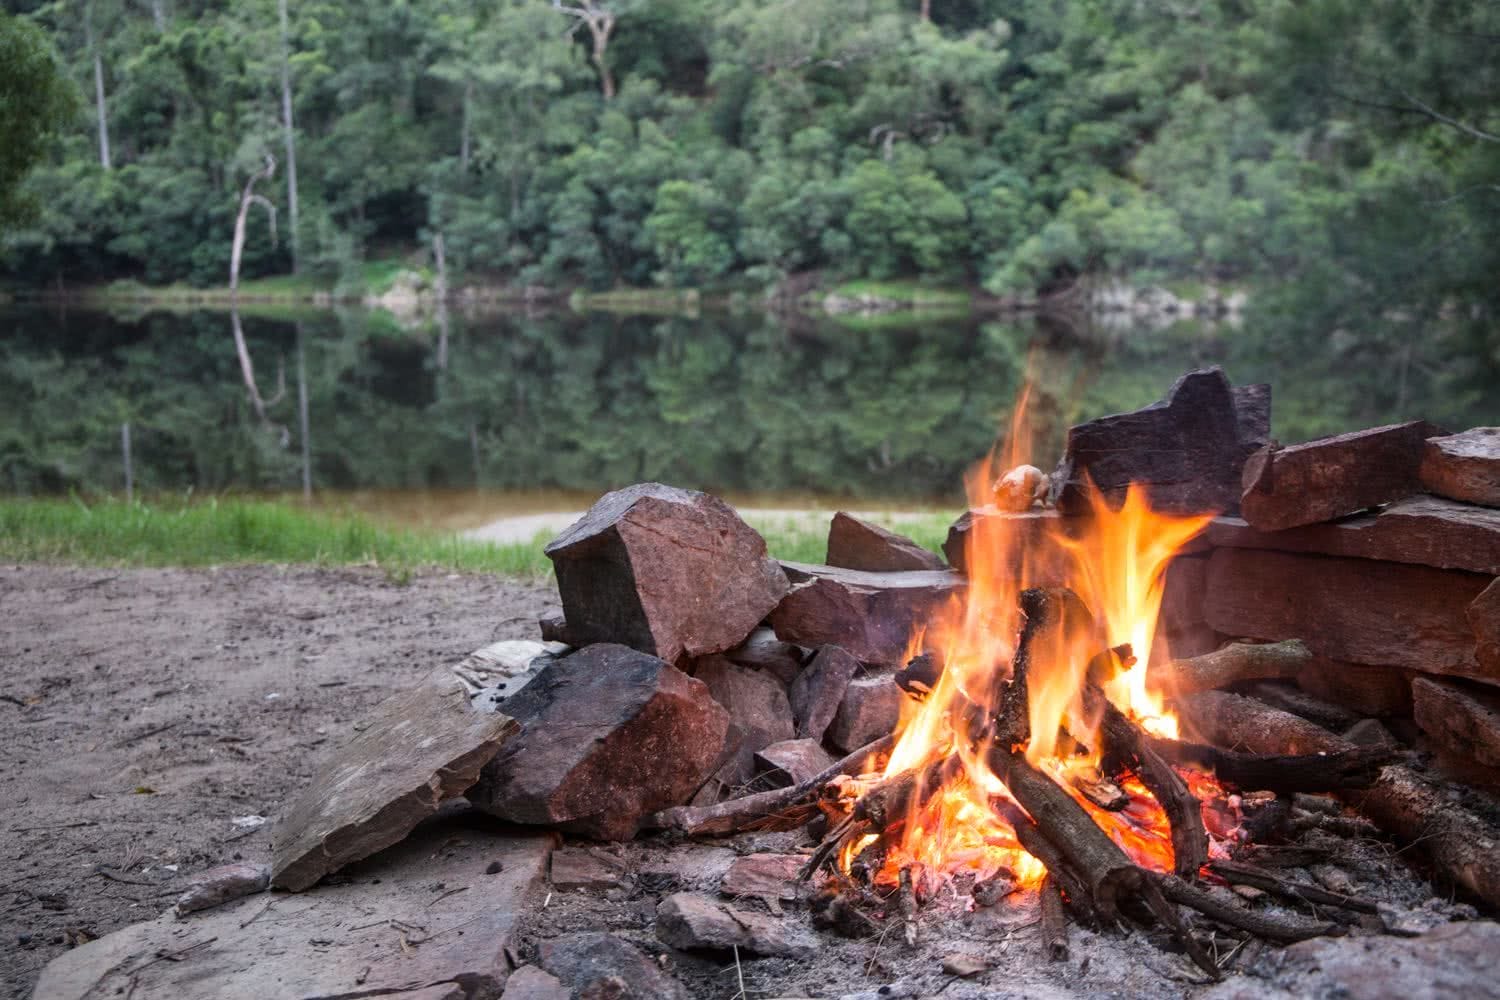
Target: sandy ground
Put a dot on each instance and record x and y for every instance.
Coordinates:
(145, 711)
(525, 527)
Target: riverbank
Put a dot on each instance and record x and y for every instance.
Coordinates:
(111, 532)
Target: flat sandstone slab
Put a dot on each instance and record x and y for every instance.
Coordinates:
(419, 748)
(1349, 609)
(433, 893)
(869, 614)
(1332, 476)
(1466, 722)
(1424, 530)
(1464, 466)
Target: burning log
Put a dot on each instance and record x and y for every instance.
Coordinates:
(1238, 661)
(738, 814)
(1285, 774)
(885, 806)
(1458, 841)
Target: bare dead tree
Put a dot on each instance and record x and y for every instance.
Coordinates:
(248, 197)
(599, 17)
(927, 10)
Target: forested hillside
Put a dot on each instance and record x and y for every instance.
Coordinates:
(1343, 152)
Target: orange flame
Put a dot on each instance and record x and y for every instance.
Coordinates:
(1115, 561)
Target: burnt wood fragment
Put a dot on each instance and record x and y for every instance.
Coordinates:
(1237, 661)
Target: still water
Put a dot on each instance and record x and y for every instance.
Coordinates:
(514, 413)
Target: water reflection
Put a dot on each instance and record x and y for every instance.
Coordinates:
(573, 405)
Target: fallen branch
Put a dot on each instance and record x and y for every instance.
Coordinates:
(1284, 774)
(1238, 661)
(1249, 875)
(736, 814)
(1258, 922)
(1054, 926)
(907, 900)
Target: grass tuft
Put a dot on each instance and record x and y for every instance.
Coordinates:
(217, 532)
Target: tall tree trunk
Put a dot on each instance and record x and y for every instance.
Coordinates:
(290, 131)
(606, 78)
(304, 427)
(159, 14)
(248, 197)
(103, 114)
(440, 259)
(927, 10)
(463, 135)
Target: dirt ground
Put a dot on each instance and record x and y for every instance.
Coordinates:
(145, 712)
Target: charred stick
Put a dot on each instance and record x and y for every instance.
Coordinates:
(1298, 891)
(1352, 827)
(1257, 922)
(1054, 926)
(1238, 661)
(1167, 913)
(1127, 742)
(736, 814)
(847, 830)
(907, 900)
(886, 806)
(1269, 822)
(1358, 767)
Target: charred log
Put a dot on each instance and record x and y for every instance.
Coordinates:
(1357, 767)
(1238, 661)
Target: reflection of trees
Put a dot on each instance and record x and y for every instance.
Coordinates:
(586, 403)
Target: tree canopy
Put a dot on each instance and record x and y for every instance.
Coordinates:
(36, 101)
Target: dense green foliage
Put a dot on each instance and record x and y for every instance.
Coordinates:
(115, 533)
(36, 101)
(1017, 144)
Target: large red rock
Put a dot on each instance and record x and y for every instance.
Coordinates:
(608, 736)
(759, 713)
(856, 544)
(1349, 609)
(818, 691)
(1464, 466)
(1420, 529)
(1332, 476)
(1186, 451)
(1484, 619)
(869, 614)
(667, 571)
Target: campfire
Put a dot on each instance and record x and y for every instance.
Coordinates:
(1159, 687)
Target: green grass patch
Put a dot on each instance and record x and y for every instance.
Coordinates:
(229, 531)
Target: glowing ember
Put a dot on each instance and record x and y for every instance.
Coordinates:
(1116, 566)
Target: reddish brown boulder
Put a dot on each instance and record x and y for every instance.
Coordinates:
(759, 712)
(1332, 476)
(666, 571)
(869, 614)
(1464, 720)
(1427, 531)
(1464, 466)
(1349, 609)
(1186, 451)
(818, 690)
(1484, 619)
(870, 709)
(856, 544)
(609, 735)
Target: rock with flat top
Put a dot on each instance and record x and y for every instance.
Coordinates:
(340, 940)
(1387, 614)
(667, 571)
(609, 735)
(857, 544)
(1186, 451)
(869, 614)
(1423, 530)
(588, 868)
(792, 762)
(1464, 466)
(870, 709)
(700, 923)
(770, 878)
(419, 748)
(592, 963)
(1454, 960)
(532, 983)
(1464, 720)
(819, 689)
(1332, 476)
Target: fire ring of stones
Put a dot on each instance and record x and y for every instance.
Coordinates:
(1195, 714)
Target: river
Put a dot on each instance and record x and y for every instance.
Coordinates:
(510, 414)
